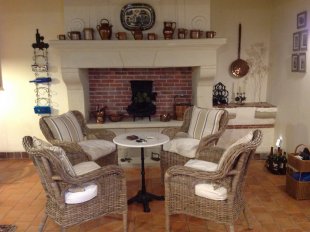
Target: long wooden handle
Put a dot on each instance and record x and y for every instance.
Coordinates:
(239, 41)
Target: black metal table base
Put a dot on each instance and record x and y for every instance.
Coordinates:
(145, 198)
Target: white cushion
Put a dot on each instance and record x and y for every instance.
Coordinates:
(184, 146)
(204, 122)
(80, 195)
(61, 154)
(85, 167)
(201, 165)
(210, 192)
(65, 127)
(244, 139)
(97, 148)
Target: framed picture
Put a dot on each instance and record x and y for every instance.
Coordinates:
(303, 40)
(294, 62)
(302, 20)
(302, 61)
(296, 41)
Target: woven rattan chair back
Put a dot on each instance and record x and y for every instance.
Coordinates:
(180, 182)
(72, 147)
(56, 181)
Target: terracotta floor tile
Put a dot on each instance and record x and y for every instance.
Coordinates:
(22, 201)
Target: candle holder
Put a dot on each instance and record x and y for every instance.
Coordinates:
(240, 98)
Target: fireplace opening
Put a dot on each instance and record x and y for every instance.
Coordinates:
(142, 99)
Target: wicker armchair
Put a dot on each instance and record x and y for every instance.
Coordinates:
(181, 183)
(74, 150)
(57, 181)
(168, 159)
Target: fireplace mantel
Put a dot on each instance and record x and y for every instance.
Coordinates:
(79, 55)
(137, 53)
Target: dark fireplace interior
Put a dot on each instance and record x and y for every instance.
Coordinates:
(142, 99)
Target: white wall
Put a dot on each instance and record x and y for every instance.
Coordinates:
(288, 90)
(255, 17)
(18, 23)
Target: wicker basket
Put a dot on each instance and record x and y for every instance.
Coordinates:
(296, 188)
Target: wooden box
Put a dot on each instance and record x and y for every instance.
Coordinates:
(297, 188)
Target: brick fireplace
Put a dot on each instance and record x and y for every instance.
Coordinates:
(110, 87)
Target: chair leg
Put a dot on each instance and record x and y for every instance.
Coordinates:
(125, 222)
(42, 224)
(167, 223)
(246, 215)
(231, 228)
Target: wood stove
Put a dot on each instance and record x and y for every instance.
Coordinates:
(142, 99)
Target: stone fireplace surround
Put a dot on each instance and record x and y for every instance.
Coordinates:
(78, 56)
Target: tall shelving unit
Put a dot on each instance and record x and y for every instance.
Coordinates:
(42, 77)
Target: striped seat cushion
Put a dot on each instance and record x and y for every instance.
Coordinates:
(65, 127)
(204, 122)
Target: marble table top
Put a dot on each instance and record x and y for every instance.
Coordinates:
(145, 139)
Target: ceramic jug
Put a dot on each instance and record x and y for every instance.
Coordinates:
(88, 33)
(137, 34)
(74, 35)
(105, 29)
(168, 30)
(182, 33)
(210, 34)
(196, 34)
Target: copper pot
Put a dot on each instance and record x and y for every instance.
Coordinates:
(239, 68)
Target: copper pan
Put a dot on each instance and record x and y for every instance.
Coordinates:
(239, 68)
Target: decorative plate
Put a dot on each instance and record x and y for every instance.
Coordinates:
(137, 15)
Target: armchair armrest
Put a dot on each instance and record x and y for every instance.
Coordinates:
(100, 134)
(103, 172)
(184, 171)
(211, 154)
(171, 131)
(193, 176)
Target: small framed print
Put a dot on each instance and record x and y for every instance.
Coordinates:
(302, 20)
(302, 62)
(294, 62)
(296, 41)
(303, 40)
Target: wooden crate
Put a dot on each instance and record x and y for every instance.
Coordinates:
(296, 188)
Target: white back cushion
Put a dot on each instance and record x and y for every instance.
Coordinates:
(247, 138)
(65, 127)
(204, 122)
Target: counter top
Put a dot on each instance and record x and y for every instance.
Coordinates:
(247, 104)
